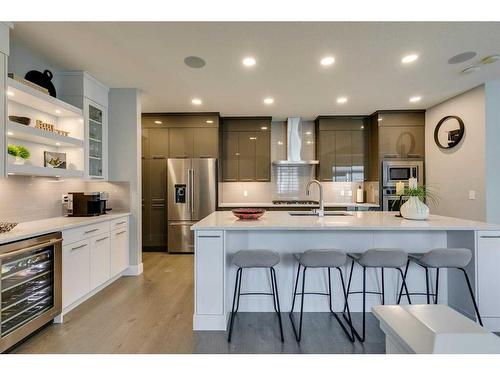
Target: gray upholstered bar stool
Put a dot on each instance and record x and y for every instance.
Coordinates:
(443, 258)
(255, 259)
(376, 258)
(321, 258)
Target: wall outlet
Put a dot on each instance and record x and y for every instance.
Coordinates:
(64, 198)
(472, 195)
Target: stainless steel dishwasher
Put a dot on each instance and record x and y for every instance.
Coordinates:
(30, 286)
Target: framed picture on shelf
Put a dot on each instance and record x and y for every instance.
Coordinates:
(54, 159)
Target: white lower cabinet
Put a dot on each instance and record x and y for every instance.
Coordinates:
(93, 255)
(119, 251)
(100, 260)
(488, 265)
(75, 271)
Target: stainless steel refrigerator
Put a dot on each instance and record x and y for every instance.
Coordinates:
(191, 194)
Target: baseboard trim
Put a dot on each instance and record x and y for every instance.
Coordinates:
(134, 270)
(209, 322)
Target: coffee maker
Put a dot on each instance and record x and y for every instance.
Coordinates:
(86, 204)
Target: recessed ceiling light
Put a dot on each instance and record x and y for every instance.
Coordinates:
(471, 69)
(210, 121)
(461, 57)
(490, 59)
(10, 93)
(196, 101)
(249, 61)
(58, 144)
(415, 99)
(268, 101)
(362, 126)
(263, 128)
(10, 133)
(158, 122)
(57, 111)
(409, 58)
(342, 100)
(380, 119)
(194, 62)
(327, 60)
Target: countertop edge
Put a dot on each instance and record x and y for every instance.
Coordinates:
(12, 236)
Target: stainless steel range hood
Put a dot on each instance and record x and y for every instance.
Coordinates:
(294, 145)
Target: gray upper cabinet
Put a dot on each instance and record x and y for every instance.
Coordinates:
(246, 149)
(401, 134)
(206, 142)
(181, 142)
(341, 148)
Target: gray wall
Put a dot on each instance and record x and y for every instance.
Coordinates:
(453, 173)
(492, 90)
(125, 158)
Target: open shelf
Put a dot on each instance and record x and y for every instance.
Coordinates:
(31, 97)
(31, 170)
(31, 134)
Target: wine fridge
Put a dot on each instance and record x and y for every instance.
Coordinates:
(30, 286)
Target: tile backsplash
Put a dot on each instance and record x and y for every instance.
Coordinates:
(25, 198)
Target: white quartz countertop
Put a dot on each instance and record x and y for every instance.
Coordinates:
(354, 220)
(55, 224)
(270, 204)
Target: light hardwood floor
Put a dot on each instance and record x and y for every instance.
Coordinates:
(152, 313)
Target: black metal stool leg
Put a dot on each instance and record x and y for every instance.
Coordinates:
(298, 335)
(272, 289)
(427, 285)
(437, 286)
(275, 292)
(351, 335)
(233, 312)
(472, 296)
(383, 287)
(348, 286)
(295, 289)
(403, 285)
(362, 339)
(404, 276)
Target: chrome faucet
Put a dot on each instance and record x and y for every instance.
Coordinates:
(321, 210)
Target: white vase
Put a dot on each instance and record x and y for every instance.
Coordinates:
(19, 161)
(414, 209)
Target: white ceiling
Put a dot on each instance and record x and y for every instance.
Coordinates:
(367, 69)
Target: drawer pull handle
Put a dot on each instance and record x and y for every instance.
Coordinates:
(120, 223)
(91, 231)
(78, 247)
(490, 236)
(123, 231)
(206, 236)
(102, 239)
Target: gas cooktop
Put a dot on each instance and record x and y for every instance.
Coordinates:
(285, 202)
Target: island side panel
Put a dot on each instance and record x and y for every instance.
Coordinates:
(209, 277)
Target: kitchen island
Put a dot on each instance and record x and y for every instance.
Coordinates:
(220, 235)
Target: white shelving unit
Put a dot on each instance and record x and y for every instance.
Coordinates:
(26, 101)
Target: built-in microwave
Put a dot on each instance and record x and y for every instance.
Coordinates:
(401, 170)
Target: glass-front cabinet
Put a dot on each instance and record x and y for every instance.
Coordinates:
(96, 118)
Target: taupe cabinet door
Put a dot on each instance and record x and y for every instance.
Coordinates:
(154, 179)
(326, 154)
(181, 142)
(246, 156)
(401, 141)
(229, 156)
(206, 142)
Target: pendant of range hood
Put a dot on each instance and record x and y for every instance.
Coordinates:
(294, 145)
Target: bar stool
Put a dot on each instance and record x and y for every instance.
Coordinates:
(321, 258)
(443, 258)
(245, 259)
(376, 258)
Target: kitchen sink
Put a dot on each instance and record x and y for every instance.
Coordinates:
(312, 213)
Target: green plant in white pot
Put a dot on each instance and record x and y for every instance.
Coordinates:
(415, 208)
(19, 153)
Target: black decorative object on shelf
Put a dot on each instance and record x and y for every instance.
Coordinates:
(42, 79)
(454, 134)
(20, 120)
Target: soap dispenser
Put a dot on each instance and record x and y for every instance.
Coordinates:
(359, 195)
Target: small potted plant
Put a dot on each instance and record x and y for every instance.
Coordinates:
(415, 208)
(19, 153)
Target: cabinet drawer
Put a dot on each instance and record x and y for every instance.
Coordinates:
(84, 232)
(99, 260)
(75, 271)
(121, 222)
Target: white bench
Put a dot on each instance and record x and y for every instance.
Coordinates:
(427, 329)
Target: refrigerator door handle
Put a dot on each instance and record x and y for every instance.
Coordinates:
(191, 190)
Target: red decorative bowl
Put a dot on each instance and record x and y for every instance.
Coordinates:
(248, 213)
